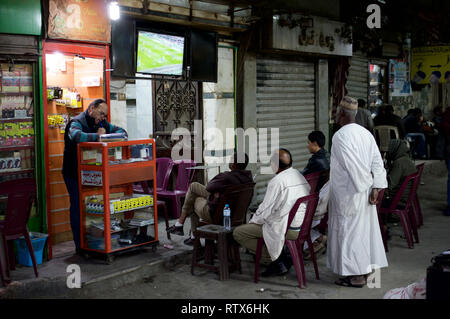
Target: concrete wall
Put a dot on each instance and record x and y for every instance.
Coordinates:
(249, 108)
(118, 108)
(135, 113)
(218, 113)
(322, 105)
(144, 109)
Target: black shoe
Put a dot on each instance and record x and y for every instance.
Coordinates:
(176, 230)
(275, 268)
(189, 241)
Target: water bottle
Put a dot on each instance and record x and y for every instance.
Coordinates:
(227, 217)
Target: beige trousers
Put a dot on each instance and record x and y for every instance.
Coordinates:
(247, 236)
(196, 204)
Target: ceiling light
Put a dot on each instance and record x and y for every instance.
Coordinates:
(114, 11)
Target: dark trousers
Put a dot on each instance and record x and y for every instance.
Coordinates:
(72, 188)
(448, 183)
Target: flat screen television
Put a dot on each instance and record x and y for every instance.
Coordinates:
(159, 53)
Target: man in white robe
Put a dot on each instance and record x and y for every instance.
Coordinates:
(355, 245)
(271, 217)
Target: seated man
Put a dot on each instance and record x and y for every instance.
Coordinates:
(399, 166)
(319, 161)
(414, 130)
(271, 217)
(203, 200)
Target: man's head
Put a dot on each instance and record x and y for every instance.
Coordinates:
(361, 103)
(316, 140)
(346, 111)
(98, 110)
(281, 160)
(389, 109)
(238, 162)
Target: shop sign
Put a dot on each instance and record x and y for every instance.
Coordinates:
(91, 178)
(430, 65)
(311, 34)
(85, 20)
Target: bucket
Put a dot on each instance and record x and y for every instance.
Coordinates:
(23, 255)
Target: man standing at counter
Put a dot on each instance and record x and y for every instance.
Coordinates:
(85, 127)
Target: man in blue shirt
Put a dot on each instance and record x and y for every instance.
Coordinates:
(85, 127)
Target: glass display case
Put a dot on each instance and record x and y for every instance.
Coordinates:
(113, 218)
(17, 135)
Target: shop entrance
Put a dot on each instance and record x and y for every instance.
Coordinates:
(74, 76)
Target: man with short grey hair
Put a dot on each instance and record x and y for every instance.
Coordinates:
(364, 116)
(355, 245)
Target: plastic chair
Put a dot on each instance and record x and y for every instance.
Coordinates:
(383, 134)
(184, 177)
(405, 213)
(21, 194)
(417, 208)
(164, 166)
(380, 220)
(296, 246)
(313, 180)
(239, 198)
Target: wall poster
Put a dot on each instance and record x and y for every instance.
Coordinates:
(84, 20)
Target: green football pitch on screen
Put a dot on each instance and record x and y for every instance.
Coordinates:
(160, 53)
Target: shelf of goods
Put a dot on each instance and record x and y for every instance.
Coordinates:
(107, 171)
(16, 129)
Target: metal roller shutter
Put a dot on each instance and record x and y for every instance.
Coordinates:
(285, 95)
(358, 77)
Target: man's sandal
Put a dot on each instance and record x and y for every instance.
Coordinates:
(347, 282)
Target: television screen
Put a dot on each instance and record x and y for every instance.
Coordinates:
(159, 53)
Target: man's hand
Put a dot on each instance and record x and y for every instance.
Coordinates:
(101, 131)
(373, 197)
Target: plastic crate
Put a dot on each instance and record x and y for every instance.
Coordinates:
(23, 255)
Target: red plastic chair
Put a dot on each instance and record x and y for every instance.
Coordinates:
(164, 166)
(313, 180)
(417, 208)
(406, 213)
(296, 246)
(184, 177)
(21, 194)
(380, 220)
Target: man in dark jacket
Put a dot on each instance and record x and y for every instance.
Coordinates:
(202, 200)
(414, 130)
(319, 161)
(445, 129)
(85, 127)
(364, 116)
(386, 116)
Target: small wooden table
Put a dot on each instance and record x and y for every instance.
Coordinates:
(227, 250)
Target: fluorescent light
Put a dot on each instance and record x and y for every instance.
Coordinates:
(114, 11)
